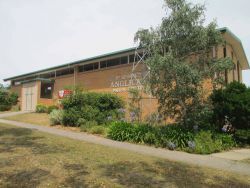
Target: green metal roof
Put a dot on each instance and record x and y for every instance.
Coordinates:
(72, 63)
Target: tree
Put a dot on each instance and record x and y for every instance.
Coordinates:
(232, 101)
(176, 79)
(7, 99)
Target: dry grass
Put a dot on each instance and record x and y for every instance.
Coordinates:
(30, 158)
(33, 118)
(39, 119)
(4, 112)
(246, 161)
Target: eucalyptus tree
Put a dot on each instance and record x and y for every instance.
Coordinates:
(180, 58)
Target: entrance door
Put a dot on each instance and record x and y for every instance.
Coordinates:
(29, 97)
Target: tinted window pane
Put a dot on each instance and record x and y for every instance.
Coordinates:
(124, 60)
(65, 72)
(48, 75)
(103, 64)
(131, 58)
(96, 66)
(113, 62)
(225, 52)
(47, 90)
(88, 67)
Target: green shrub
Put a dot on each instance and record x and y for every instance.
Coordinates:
(71, 117)
(13, 98)
(172, 136)
(150, 138)
(90, 113)
(81, 122)
(154, 119)
(56, 117)
(99, 107)
(87, 125)
(204, 144)
(4, 107)
(242, 136)
(234, 102)
(201, 117)
(121, 131)
(143, 133)
(51, 108)
(207, 142)
(41, 108)
(178, 135)
(7, 99)
(97, 130)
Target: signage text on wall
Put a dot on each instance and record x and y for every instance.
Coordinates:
(121, 83)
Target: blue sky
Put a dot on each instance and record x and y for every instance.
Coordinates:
(40, 34)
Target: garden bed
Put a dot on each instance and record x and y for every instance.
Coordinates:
(143, 135)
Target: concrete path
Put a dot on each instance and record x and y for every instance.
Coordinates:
(236, 155)
(199, 160)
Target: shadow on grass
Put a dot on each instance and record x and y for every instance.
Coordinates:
(14, 131)
(13, 138)
(27, 178)
(164, 174)
(77, 175)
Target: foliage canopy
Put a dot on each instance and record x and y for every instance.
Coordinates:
(180, 58)
(233, 102)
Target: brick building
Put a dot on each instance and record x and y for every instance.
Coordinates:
(108, 73)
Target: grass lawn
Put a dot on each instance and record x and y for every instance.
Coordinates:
(38, 119)
(33, 118)
(246, 161)
(4, 112)
(30, 158)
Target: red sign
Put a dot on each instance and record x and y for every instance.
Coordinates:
(64, 93)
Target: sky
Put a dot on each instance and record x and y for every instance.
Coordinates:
(37, 34)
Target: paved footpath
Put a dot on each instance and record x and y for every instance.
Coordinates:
(193, 159)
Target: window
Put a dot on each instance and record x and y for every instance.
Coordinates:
(46, 90)
(113, 62)
(238, 70)
(124, 60)
(88, 67)
(225, 52)
(48, 75)
(132, 58)
(103, 64)
(65, 72)
(16, 83)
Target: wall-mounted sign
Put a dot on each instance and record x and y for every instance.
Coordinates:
(64, 93)
(121, 83)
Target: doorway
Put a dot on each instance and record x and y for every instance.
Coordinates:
(29, 96)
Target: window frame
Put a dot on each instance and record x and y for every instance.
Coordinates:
(46, 96)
